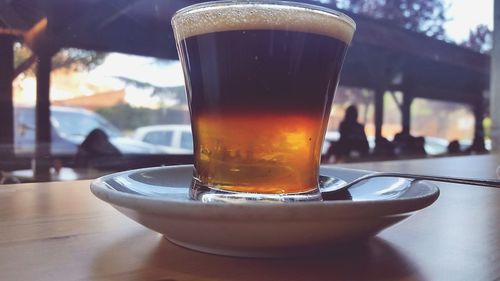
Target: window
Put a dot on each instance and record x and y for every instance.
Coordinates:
(161, 138)
(187, 140)
(441, 59)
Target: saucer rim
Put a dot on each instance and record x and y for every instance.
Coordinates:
(281, 211)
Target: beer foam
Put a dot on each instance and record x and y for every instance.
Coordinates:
(233, 15)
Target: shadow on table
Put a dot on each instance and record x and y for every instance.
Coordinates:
(374, 259)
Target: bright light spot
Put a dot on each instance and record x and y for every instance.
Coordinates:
(296, 140)
(466, 15)
(159, 73)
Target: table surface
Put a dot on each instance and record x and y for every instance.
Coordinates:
(60, 231)
(64, 174)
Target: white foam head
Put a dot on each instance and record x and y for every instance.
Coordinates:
(250, 15)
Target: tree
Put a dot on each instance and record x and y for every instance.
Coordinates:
(167, 95)
(425, 16)
(480, 39)
(77, 59)
(126, 117)
(69, 58)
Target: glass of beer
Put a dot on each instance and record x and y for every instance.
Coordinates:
(260, 79)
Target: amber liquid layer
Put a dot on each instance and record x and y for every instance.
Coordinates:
(262, 154)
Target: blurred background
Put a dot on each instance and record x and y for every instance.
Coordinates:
(418, 73)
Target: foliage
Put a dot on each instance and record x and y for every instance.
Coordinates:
(21, 53)
(77, 59)
(174, 95)
(425, 16)
(70, 58)
(128, 118)
(480, 39)
(120, 116)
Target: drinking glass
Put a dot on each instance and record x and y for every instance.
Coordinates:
(260, 79)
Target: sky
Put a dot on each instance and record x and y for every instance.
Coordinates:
(148, 69)
(464, 15)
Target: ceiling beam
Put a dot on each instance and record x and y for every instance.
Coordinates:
(10, 17)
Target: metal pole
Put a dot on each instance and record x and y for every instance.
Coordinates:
(379, 112)
(6, 96)
(406, 111)
(478, 141)
(42, 159)
(495, 80)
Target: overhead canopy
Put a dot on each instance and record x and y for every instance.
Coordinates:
(404, 60)
(381, 55)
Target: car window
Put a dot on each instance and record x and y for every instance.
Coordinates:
(161, 138)
(186, 140)
(24, 126)
(79, 124)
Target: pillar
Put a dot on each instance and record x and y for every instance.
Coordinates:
(478, 141)
(379, 112)
(406, 112)
(42, 161)
(495, 80)
(6, 97)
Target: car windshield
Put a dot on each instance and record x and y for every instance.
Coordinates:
(81, 124)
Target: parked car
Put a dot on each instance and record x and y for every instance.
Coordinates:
(69, 127)
(439, 146)
(466, 143)
(330, 136)
(174, 139)
(436, 146)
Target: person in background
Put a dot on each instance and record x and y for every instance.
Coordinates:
(383, 148)
(454, 147)
(96, 149)
(353, 141)
(408, 145)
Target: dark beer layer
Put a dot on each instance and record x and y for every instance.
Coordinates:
(262, 71)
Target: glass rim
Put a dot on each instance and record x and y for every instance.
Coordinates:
(315, 8)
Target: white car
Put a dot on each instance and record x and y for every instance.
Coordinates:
(174, 139)
(330, 136)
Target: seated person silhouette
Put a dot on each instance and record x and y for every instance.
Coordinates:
(353, 141)
(454, 147)
(94, 149)
(408, 145)
(383, 148)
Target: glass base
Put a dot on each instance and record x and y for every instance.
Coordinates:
(206, 194)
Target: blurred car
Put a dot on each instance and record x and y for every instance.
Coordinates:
(69, 127)
(466, 143)
(330, 136)
(174, 139)
(436, 146)
(439, 146)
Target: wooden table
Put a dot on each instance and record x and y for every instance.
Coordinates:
(60, 231)
(64, 174)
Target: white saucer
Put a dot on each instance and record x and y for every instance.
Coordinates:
(158, 199)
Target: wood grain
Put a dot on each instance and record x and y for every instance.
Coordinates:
(476, 166)
(60, 231)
